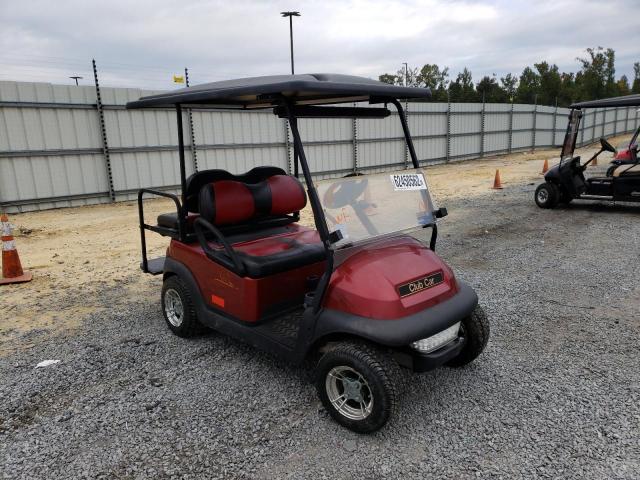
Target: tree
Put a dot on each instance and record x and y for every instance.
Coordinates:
(489, 89)
(528, 86)
(390, 79)
(567, 94)
(432, 77)
(462, 89)
(550, 83)
(598, 73)
(622, 86)
(510, 86)
(635, 88)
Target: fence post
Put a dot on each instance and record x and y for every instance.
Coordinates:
(510, 128)
(194, 153)
(604, 120)
(535, 118)
(448, 147)
(482, 120)
(593, 127)
(354, 138)
(287, 146)
(555, 122)
(615, 123)
(626, 120)
(103, 129)
(582, 131)
(406, 146)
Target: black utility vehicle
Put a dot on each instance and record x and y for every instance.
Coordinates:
(566, 181)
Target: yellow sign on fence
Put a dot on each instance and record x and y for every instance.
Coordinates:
(178, 79)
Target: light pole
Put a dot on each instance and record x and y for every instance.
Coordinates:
(291, 15)
(75, 77)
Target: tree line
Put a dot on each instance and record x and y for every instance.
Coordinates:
(543, 83)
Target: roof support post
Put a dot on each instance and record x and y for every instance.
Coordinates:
(183, 173)
(316, 207)
(407, 135)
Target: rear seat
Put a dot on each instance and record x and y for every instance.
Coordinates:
(199, 179)
(236, 202)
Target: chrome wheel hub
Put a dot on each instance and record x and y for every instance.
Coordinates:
(173, 307)
(349, 393)
(543, 196)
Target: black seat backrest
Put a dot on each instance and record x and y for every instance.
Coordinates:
(233, 202)
(199, 179)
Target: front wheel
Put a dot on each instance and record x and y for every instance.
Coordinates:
(547, 195)
(475, 330)
(358, 385)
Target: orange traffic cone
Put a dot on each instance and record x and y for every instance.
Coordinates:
(595, 162)
(497, 185)
(545, 167)
(11, 269)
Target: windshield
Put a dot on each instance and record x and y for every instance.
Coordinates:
(360, 208)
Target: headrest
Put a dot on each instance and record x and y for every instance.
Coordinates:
(199, 179)
(231, 202)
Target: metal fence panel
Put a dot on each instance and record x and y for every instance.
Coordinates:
(51, 141)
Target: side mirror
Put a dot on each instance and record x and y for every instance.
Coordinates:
(607, 146)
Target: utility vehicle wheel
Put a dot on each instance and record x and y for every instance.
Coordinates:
(358, 385)
(178, 309)
(610, 170)
(547, 195)
(475, 329)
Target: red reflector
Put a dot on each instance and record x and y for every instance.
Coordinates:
(216, 300)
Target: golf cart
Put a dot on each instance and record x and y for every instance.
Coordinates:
(357, 291)
(566, 181)
(624, 155)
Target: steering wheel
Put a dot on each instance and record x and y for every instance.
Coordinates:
(344, 193)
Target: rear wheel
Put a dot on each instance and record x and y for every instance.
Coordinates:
(547, 195)
(178, 309)
(475, 329)
(358, 385)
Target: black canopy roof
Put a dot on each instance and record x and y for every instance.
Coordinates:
(264, 92)
(626, 101)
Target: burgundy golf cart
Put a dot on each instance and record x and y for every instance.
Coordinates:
(566, 181)
(359, 291)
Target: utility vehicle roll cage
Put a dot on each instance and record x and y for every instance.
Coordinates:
(291, 97)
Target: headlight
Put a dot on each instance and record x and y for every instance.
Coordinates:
(434, 342)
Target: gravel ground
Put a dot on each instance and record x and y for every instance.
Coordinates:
(555, 395)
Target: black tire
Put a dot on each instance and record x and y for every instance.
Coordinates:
(176, 296)
(547, 195)
(611, 169)
(378, 395)
(475, 329)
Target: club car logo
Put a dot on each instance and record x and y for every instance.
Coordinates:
(420, 284)
(408, 181)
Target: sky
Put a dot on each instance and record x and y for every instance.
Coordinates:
(142, 43)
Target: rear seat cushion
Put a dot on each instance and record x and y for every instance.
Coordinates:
(230, 202)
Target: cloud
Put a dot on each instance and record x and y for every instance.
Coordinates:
(143, 43)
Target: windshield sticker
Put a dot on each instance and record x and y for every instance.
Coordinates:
(404, 182)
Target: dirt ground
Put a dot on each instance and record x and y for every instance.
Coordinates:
(76, 253)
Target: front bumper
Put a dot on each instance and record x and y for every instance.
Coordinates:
(423, 362)
(403, 331)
